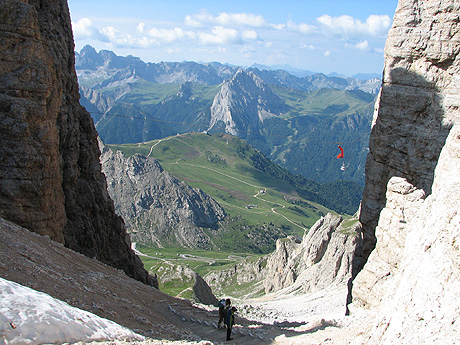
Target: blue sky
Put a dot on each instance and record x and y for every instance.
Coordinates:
(343, 36)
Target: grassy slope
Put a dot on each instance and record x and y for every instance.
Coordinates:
(220, 167)
(324, 101)
(164, 262)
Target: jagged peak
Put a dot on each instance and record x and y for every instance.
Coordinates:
(246, 78)
(88, 50)
(185, 90)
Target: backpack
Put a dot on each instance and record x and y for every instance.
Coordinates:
(221, 303)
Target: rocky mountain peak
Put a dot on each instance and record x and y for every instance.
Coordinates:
(157, 207)
(243, 103)
(185, 91)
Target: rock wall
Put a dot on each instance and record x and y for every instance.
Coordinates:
(320, 260)
(50, 175)
(323, 257)
(411, 205)
(158, 208)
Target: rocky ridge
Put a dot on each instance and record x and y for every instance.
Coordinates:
(92, 66)
(158, 208)
(50, 176)
(321, 259)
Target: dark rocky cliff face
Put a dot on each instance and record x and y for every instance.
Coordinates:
(50, 175)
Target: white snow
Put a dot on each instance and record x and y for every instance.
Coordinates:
(31, 317)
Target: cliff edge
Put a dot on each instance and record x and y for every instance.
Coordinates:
(50, 175)
(410, 210)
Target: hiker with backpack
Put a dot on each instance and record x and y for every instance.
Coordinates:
(224, 306)
(230, 321)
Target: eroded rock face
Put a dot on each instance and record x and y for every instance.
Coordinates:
(403, 203)
(158, 208)
(323, 257)
(416, 106)
(50, 175)
(411, 202)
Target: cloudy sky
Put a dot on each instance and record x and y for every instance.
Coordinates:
(343, 36)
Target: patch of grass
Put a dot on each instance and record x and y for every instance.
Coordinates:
(348, 226)
(164, 262)
(244, 191)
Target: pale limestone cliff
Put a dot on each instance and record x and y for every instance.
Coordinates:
(411, 204)
(321, 259)
(50, 175)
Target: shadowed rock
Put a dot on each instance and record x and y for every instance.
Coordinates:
(50, 175)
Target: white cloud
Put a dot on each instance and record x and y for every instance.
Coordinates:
(226, 19)
(363, 45)
(84, 29)
(327, 53)
(378, 25)
(219, 35)
(120, 40)
(279, 26)
(197, 20)
(302, 28)
(170, 35)
(347, 26)
(307, 46)
(251, 35)
(141, 27)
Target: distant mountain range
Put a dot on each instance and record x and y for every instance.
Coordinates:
(295, 121)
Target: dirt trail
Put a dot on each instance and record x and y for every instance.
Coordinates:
(44, 265)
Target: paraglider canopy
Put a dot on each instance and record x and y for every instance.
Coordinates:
(340, 155)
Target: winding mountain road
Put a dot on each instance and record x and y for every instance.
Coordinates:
(259, 188)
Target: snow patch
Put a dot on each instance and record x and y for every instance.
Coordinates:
(31, 317)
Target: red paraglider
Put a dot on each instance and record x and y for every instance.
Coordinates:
(340, 155)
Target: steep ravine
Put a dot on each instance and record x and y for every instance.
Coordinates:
(50, 182)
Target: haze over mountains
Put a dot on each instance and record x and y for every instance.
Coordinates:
(295, 121)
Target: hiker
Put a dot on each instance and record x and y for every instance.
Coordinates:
(224, 305)
(229, 321)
